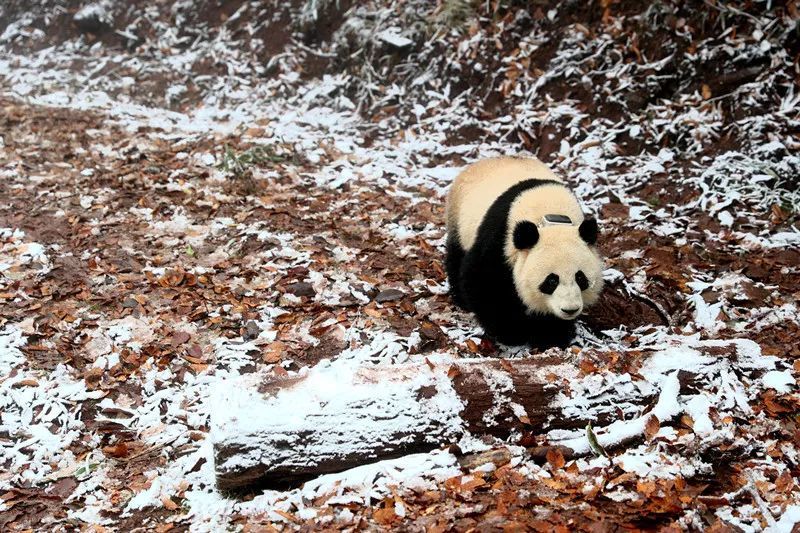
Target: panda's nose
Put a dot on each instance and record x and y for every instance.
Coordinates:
(570, 311)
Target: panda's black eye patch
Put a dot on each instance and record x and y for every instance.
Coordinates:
(549, 284)
(581, 280)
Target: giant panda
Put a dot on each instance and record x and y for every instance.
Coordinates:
(520, 253)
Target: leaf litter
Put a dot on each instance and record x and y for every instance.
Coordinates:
(196, 195)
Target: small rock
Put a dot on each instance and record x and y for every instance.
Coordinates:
(251, 331)
(389, 295)
(301, 288)
(130, 303)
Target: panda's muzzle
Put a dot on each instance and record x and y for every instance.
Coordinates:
(571, 312)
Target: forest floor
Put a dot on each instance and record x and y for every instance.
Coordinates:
(191, 194)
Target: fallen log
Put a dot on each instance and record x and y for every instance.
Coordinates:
(276, 432)
(273, 432)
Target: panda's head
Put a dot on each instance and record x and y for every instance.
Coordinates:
(557, 270)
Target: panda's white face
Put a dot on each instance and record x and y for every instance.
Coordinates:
(561, 275)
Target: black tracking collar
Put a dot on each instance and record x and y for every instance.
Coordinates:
(557, 220)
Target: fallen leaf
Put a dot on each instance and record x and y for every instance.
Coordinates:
(785, 482)
(118, 450)
(288, 516)
(646, 487)
(179, 337)
(588, 367)
(29, 382)
(385, 515)
(652, 426)
(273, 352)
(453, 372)
(470, 483)
(556, 459)
(168, 503)
(93, 376)
(195, 351)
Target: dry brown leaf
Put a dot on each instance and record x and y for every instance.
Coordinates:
(118, 450)
(785, 482)
(453, 483)
(773, 405)
(588, 367)
(385, 515)
(646, 487)
(168, 503)
(29, 382)
(556, 459)
(374, 313)
(288, 516)
(453, 372)
(471, 483)
(178, 338)
(652, 426)
(273, 353)
(93, 376)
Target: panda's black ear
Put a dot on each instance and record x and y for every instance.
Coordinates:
(588, 230)
(525, 235)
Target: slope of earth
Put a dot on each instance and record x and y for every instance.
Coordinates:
(193, 192)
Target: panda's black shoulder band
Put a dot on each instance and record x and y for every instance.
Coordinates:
(493, 228)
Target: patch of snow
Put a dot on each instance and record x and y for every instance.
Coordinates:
(660, 372)
(781, 380)
(11, 340)
(787, 521)
(393, 37)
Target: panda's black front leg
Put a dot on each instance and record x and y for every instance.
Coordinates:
(504, 333)
(548, 332)
(488, 291)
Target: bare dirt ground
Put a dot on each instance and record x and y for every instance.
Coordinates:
(190, 192)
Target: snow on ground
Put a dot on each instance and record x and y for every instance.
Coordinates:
(148, 278)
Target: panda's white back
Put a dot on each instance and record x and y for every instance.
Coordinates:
(480, 184)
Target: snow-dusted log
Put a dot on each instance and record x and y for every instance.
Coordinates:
(273, 431)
